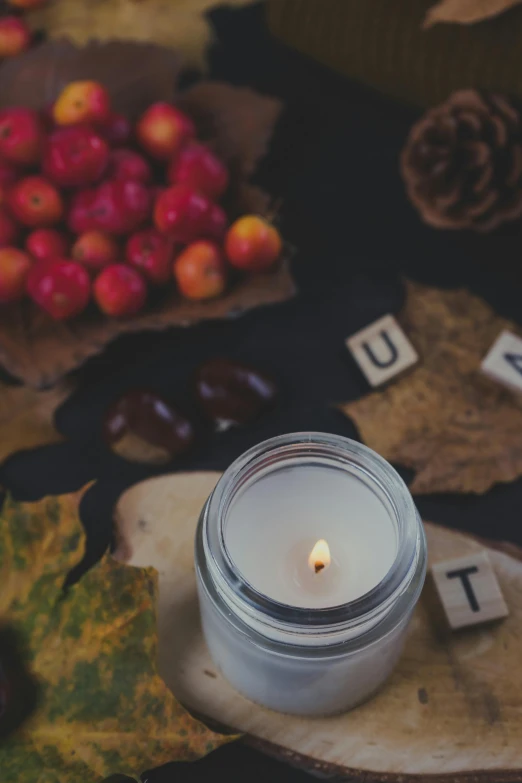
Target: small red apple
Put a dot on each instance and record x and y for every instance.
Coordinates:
(252, 244)
(182, 213)
(116, 207)
(200, 271)
(151, 253)
(75, 157)
(127, 164)
(61, 288)
(46, 244)
(215, 224)
(120, 291)
(21, 136)
(14, 269)
(82, 102)
(162, 130)
(9, 230)
(15, 36)
(35, 202)
(198, 167)
(116, 130)
(8, 176)
(95, 250)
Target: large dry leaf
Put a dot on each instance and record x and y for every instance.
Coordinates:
(236, 121)
(136, 75)
(176, 23)
(466, 11)
(27, 418)
(103, 708)
(451, 711)
(459, 430)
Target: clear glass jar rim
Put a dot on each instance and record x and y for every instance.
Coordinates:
(342, 450)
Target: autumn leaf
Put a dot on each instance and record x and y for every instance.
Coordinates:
(103, 707)
(466, 11)
(177, 23)
(459, 430)
(27, 417)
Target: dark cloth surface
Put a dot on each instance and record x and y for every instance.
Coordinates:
(334, 165)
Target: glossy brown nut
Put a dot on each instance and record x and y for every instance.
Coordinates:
(232, 393)
(143, 427)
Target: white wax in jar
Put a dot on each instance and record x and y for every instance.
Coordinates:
(274, 523)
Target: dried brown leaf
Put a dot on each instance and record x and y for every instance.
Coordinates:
(135, 74)
(449, 714)
(236, 121)
(175, 23)
(459, 430)
(466, 11)
(27, 418)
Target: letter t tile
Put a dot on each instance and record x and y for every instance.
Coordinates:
(468, 590)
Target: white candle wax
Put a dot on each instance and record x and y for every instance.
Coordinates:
(273, 525)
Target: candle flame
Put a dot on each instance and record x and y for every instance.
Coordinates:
(319, 556)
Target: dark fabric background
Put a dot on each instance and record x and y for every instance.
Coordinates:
(334, 164)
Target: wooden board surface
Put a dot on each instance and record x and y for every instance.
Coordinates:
(452, 710)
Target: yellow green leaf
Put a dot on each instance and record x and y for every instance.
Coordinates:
(103, 708)
(177, 23)
(27, 417)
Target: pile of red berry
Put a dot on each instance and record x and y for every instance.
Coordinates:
(92, 208)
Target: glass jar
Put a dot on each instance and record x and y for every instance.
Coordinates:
(294, 659)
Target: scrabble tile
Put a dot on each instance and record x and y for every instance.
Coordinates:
(503, 362)
(382, 350)
(468, 590)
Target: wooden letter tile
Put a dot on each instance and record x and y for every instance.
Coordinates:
(468, 590)
(382, 350)
(503, 362)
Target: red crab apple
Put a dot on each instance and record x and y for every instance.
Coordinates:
(127, 164)
(181, 213)
(151, 253)
(9, 230)
(116, 207)
(116, 130)
(252, 244)
(75, 157)
(45, 244)
(14, 269)
(198, 167)
(35, 202)
(95, 250)
(120, 291)
(200, 271)
(21, 136)
(82, 102)
(62, 288)
(162, 130)
(8, 176)
(15, 36)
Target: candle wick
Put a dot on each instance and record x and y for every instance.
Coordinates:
(318, 567)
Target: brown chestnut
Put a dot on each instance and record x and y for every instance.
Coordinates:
(231, 393)
(143, 427)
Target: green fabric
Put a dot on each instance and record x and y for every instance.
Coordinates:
(381, 43)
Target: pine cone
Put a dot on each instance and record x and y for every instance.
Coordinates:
(462, 163)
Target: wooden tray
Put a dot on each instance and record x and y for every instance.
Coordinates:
(452, 711)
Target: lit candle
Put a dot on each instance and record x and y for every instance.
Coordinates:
(310, 557)
(274, 525)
